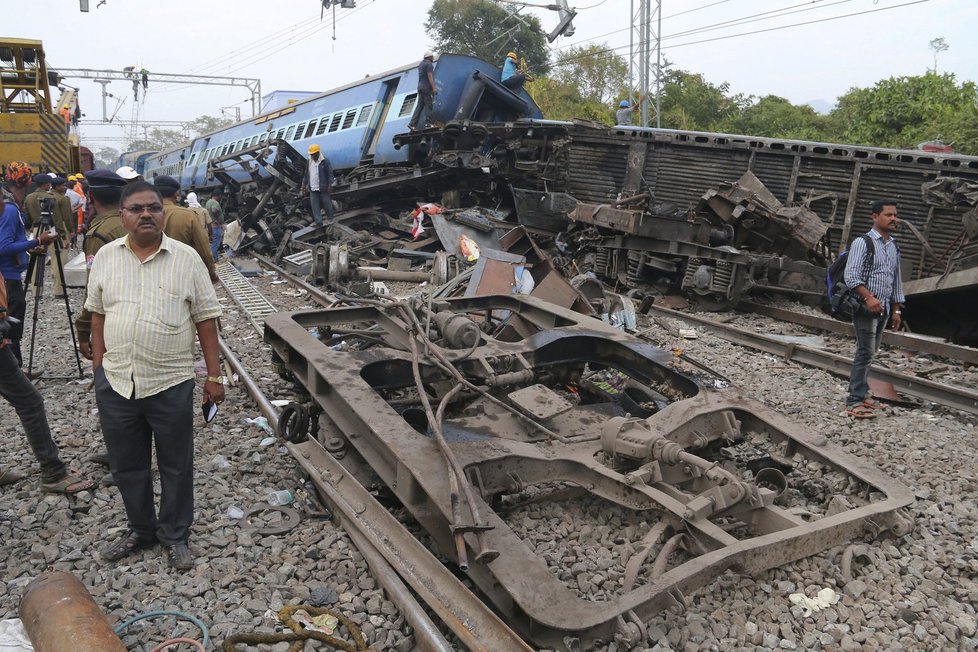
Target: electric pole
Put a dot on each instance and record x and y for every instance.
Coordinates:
(645, 45)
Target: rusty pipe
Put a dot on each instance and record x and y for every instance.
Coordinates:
(60, 614)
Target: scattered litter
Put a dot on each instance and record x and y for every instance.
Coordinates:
(279, 282)
(824, 599)
(688, 333)
(298, 292)
(325, 623)
(13, 637)
(235, 512)
(468, 248)
(281, 497)
(262, 423)
(281, 402)
(266, 442)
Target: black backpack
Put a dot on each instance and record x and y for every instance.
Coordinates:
(843, 303)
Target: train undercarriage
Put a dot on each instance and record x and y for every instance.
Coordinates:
(472, 409)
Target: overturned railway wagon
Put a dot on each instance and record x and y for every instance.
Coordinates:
(598, 166)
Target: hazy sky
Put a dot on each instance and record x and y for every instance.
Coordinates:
(284, 43)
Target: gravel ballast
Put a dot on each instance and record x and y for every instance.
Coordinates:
(914, 593)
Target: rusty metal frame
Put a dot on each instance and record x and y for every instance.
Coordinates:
(347, 384)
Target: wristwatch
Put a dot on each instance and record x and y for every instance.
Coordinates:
(220, 380)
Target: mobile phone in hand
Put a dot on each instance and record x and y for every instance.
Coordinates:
(209, 409)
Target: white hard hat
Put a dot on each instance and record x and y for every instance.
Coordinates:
(429, 55)
(127, 173)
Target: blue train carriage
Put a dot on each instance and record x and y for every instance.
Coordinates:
(136, 159)
(354, 124)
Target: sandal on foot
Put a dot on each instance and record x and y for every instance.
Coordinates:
(873, 404)
(129, 543)
(70, 484)
(861, 412)
(9, 477)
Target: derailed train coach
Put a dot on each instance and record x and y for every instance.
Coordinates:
(354, 125)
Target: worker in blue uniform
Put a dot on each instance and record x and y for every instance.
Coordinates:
(512, 78)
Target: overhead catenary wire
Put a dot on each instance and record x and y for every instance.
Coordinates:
(758, 31)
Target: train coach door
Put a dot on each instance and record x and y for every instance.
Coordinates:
(378, 119)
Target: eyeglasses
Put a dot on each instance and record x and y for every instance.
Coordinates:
(138, 209)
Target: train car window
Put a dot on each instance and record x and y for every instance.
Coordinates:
(335, 124)
(311, 128)
(263, 137)
(323, 125)
(299, 131)
(365, 112)
(288, 134)
(281, 132)
(407, 107)
(348, 120)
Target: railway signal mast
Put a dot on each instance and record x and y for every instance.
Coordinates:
(565, 23)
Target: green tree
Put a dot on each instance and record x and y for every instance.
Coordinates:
(600, 75)
(207, 123)
(776, 117)
(106, 157)
(905, 111)
(563, 101)
(486, 30)
(160, 139)
(688, 101)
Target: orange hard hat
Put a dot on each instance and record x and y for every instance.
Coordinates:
(19, 173)
(314, 149)
(512, 55)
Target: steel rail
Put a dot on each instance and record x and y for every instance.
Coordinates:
(948, 395)
(427, 635)
(891, 338)
(471, 620)
(324, 299)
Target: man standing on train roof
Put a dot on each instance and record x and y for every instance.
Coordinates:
(512, 78)
(318, 180)
(626, 111)
(181, 223)
(426, 92)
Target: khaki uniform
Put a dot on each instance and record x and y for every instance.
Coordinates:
(61, 211)
(202, 216)
(102, 230)
(182, 225)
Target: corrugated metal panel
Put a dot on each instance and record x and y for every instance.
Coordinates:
(681, 166)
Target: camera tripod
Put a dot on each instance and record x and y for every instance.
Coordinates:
(35, 269)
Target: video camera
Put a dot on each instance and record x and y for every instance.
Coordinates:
(47, 212)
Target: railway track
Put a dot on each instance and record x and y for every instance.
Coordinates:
(942, 393)
(394, 555)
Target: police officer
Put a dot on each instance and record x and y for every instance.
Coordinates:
(64, 223)
(181, 223)
(32, 204)
(105, 190)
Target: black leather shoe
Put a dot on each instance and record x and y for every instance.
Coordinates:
(129, 543)
(100, 458)
(180, 557)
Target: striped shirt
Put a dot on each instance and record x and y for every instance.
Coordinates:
(150, 309)
(883, 280)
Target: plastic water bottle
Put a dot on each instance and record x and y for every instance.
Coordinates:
(281, 497)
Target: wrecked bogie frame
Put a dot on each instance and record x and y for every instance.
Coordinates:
(712, 480)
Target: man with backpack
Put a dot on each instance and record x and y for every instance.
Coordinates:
(873, 276)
